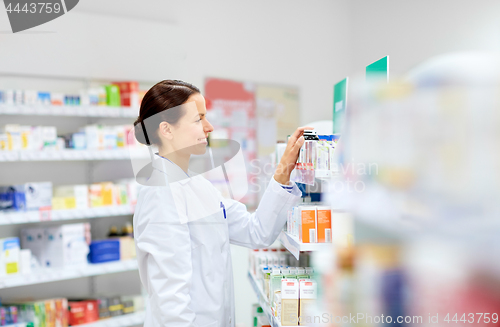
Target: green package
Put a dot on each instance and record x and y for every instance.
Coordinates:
(113, 95)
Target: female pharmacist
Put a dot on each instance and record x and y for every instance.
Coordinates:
(182, 224)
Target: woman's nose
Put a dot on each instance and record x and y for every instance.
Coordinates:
(208, 127)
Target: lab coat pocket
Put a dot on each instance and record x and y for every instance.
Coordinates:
(208, 241)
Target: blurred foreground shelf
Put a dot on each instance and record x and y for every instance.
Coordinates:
(58, 274)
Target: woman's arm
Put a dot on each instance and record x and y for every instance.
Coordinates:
(164, 256)
(261, 228)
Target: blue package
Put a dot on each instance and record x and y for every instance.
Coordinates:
(104, 251)
(105, 246)
(2, 96)
(104, 257)
(44, 98)
(12, 198)
(10, 243)
(326, 137)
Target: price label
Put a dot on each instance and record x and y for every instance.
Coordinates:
(45, 213)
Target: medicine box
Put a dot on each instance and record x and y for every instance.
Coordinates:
(307, 224)
(324, 217)
(104, 251)
(37, 195)
(289, 302)
(308, 289)
(9, 253)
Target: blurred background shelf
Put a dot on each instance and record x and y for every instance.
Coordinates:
(132, 319)
(13, 218)
(71, 155)
(70, 111)
(293, 245)
(59, 274)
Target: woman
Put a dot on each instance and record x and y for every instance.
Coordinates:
(182, 224)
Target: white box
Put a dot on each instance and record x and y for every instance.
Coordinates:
(33, 239)
(75, 246)
(289, 302)
(79, 192)
(9, 251)
(49, 137)
(308, 291)
(53, 247)
(38, 195)
(25, 261)
(30, 97)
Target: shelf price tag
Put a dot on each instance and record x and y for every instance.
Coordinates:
(45, 213)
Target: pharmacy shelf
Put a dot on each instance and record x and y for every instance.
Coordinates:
(72, 155)
(292, 244)
(55, 275)
(131, 319)
(263, 302)
(75, 111)
(26, 217)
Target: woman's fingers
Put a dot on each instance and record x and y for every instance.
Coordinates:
(296, 147)
(298, 133)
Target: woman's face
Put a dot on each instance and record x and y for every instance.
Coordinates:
(189, 135)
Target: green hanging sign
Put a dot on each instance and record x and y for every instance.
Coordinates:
(379, 70)
(339, 105)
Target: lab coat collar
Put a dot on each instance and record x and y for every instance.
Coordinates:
(174, 173)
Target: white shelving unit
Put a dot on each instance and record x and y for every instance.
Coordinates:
(55, 275)
(263, 302)
(15, 163)
(131, 319)
(70, 111)
(21, 324)
(13, 218)
(72, 155)
(294, 246)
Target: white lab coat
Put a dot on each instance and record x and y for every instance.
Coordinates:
(184, 258)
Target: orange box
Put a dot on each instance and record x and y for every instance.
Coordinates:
(307, 224)
(324, 215)
(107, 193)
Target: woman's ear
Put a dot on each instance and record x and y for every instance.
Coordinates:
(165, 130)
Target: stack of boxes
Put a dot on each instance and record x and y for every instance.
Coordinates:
(292, 304)
(24, 197)
(310, 223)
(41, 138)
(124, 94)
(43, 196)
(60, 312)
(45, 313)
(58, 246)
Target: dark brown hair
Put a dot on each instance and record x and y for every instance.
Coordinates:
(161, 97)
